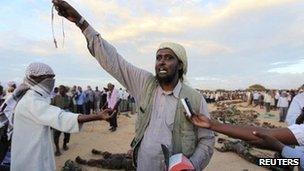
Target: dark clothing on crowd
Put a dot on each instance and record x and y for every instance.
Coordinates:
(64, 102)
(57, 134)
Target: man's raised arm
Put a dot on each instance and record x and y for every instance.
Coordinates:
(129, 76)
(66, 10)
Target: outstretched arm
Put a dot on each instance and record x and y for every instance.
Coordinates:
(131, 77)
(245, 133)
(102, 115)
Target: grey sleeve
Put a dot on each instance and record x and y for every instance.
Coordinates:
(204, 148)
(128, 75)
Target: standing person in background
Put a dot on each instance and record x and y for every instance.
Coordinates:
(80, 100)
(267, 101)
(276, 98)
(103, 100)
(64, 102)
(72, 94)
(212, 97)
(89, 93)
(124, 101)
(272, 102)
(249, 98)
(256, 97)
(113, 103)
(283, 106)
(217, 96)
(132, 106)
(97, 95)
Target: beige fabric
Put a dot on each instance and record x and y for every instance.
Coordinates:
(179, 51)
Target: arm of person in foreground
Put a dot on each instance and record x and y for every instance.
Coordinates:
(44, 114)
(284, 135)
(204, 149)
(129, 76)
(102, 115)
(274, 144)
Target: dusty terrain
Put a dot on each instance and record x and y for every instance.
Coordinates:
(96, 135)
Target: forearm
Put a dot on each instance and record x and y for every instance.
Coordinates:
(246, 132)
(234, 131)
(203, 153)
(204, 149)
(87, 118)
(84, 25)
(132, 78)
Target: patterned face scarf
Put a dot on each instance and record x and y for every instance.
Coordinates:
(36, 69)
(46, 85)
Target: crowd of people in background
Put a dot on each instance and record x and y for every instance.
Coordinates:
(220, 95)
(75, 99)
(264, 99)
(87, 101)
(91, 101)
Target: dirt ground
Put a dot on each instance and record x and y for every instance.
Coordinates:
(96, 135)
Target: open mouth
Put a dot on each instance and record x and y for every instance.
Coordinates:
(162, 71)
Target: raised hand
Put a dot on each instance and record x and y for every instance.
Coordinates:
(201, 121)
(66, 10)
(266, 142)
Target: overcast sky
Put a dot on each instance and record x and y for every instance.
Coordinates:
(230, 44)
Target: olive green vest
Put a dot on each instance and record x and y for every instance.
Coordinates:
(184, 135)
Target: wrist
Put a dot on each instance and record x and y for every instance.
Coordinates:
(79, 21)
(212, 124)
(279, 147)
(99, 117)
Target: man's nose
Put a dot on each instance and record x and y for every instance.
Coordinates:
(162, 60)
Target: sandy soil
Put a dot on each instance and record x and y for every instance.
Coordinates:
(96, 135)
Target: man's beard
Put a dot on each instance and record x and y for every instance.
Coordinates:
(165, 80)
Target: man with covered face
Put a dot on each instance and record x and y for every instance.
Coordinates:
(161, 118)
(32, 147)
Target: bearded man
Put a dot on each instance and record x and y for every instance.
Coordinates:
(161, 118)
